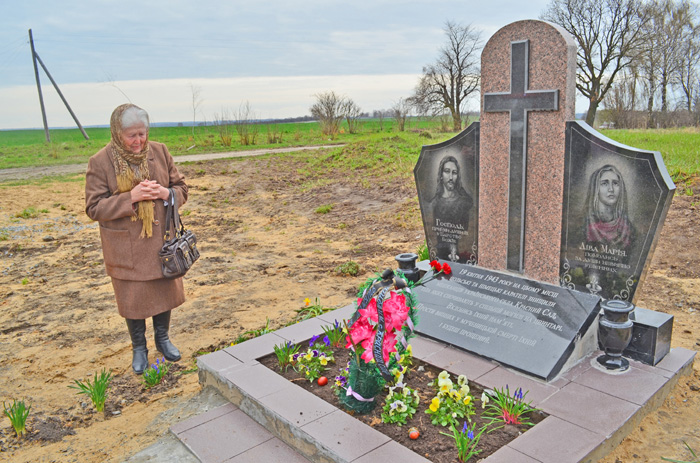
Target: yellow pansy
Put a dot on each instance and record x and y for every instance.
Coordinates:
(445, 384)
(435, 404)
(467, 400)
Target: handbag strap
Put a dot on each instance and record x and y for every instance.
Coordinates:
(172, 216)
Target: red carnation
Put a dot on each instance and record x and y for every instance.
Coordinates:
(446, 269)
(436, 265)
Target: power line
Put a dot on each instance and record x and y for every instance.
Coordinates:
(11, 50)
(11, 56)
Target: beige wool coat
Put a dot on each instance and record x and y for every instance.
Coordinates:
(127, 256)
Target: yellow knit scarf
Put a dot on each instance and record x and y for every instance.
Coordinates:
(131, 169)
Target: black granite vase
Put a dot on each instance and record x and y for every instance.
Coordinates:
(407, 264)
(615, 333)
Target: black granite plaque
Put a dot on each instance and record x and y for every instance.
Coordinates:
(524, 324)
(447, 180)
(615, 201)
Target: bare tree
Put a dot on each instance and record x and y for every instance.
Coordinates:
(686, 77)
(622, 101)
(352, 114)
(400, 112)
(669, 29)
(379, 115)
(196, 103)
(246, 125)
(328, 111)
(223, 125)
(453, 78)
(609, 34)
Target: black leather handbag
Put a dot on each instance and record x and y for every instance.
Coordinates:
(179, 252)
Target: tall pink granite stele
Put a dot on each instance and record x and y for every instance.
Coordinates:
(528, 72)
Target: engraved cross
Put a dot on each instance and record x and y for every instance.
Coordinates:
(518, 102)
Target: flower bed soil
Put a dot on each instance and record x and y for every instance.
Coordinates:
(431, 444)
(124, 389)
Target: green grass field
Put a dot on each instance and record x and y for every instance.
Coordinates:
(680, 148)
(25, 148)
(385, 151)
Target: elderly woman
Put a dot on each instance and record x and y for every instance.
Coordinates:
(126, 190)
(607, 221)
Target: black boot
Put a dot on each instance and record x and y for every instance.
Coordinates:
(137, 331)
(161, 325)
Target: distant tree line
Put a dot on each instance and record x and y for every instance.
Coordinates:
(638, 59)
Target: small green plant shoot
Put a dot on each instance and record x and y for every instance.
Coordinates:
(285, 353)
(260, 331)
(312, 310)
(692, 452)
(466, 441)
(502, 407)
(97, 390)
(349, 268)
(153, 375)
(335, 334)
(422, 252)
(325, 209)
(17, 413)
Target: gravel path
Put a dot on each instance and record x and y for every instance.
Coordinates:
(24, 173)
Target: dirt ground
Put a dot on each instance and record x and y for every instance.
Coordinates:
(264, 250)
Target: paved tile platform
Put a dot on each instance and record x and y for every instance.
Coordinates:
(590, 410)
(226, 434)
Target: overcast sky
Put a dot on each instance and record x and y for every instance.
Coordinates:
(275, 54)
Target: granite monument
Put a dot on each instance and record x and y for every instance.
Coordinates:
(540, 215)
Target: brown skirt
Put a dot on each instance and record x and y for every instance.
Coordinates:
(138, 300)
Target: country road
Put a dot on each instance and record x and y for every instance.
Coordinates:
(24, 173)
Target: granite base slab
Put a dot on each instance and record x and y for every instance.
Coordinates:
(591, 411)
(651, 336)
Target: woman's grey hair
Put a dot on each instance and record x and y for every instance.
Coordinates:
(134, 116)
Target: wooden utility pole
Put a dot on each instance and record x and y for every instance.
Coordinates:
(38, 87)
(35, 58)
